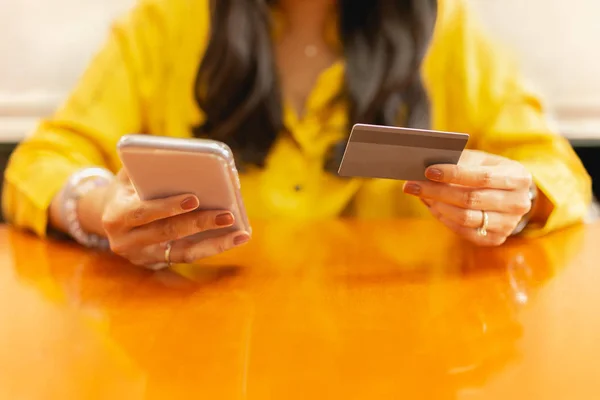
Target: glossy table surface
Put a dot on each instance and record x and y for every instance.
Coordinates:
(339, 309)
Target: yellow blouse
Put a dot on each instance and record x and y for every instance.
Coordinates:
(143, 78)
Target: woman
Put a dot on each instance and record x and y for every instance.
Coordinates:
(281, 82)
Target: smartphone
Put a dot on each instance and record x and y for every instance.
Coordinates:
(161, 167)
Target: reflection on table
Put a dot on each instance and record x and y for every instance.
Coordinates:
(336, 309)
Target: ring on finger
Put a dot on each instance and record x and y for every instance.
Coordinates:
(167, 258)
(482, 230)
(168, 249)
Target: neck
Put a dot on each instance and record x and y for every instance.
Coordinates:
(306, 15)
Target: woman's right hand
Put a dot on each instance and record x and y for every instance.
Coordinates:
(140, 231)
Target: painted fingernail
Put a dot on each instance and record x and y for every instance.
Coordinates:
(241, 239)
(434, 174)
(225, 219)
(412, 188)
(189, 204)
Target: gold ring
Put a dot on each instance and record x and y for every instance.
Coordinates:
(168, 254)
(482, 230)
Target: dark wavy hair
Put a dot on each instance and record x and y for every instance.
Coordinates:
(384, 43)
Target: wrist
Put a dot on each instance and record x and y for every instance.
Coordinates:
(81, 205)
(90, 209)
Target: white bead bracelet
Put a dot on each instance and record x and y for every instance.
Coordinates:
(78, 185)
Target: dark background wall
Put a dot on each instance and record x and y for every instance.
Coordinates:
(590, 155)
(5, 151)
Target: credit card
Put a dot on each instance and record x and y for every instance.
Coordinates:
(385, 152)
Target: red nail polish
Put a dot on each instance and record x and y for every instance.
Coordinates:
(189, 204)
(434, 174)
(412, 188)
(225, 219)
(241, 239)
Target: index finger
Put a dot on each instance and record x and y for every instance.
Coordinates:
(133, 213)
(496, 177)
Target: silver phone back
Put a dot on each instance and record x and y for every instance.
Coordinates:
(160, 167)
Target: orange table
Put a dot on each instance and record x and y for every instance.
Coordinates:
(348, 310)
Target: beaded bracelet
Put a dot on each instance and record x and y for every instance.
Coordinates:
(533, 191)
(78, 185)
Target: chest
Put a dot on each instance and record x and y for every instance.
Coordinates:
(300, 63)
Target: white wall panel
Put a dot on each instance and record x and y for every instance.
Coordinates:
(558, 43)
(44, 47)
(45, 44)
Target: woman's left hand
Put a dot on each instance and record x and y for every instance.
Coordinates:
(458, 195)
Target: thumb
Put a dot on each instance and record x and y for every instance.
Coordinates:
(123, 177)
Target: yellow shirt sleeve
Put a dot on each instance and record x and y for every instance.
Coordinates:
(483, 93)
(134, 86)
(112, 98)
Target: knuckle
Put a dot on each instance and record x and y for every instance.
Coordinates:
(190, 256)
(465, 218)
(486, 178)
(522, 205)
(456, 174)
(471, 199)
(167, 229)
(136, 214)
(205, 249)
(202, 222)
(220, 246)
(527, 180)
(520, 182)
